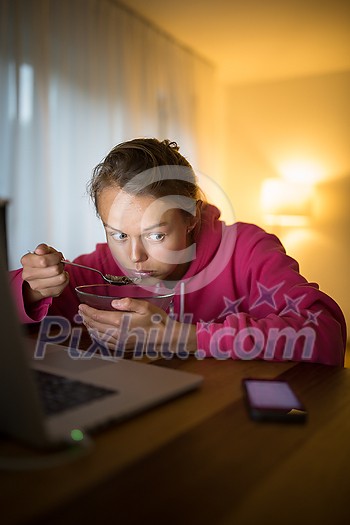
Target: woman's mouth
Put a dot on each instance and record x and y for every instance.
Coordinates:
(142, 274)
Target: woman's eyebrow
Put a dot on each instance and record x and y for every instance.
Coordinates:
(111, 227)
(157, 225)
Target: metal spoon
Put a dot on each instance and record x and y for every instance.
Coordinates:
(118, 280)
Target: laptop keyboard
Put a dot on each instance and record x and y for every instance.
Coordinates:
(61, 393)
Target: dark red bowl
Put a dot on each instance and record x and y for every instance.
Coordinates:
(100, 296)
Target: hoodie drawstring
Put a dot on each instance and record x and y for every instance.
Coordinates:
(182, 302)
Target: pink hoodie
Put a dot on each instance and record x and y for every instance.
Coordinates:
(245, 295)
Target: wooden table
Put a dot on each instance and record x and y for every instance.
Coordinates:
(201, 460)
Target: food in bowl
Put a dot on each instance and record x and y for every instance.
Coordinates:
(100, 296)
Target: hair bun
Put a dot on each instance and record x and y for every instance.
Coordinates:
(171, 144)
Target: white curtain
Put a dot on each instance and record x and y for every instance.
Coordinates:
(76, 78)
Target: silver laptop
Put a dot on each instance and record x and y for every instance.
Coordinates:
(119, 388)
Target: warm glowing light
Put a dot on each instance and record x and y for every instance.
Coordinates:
(301, 171)
(286, 220)
(286, 203)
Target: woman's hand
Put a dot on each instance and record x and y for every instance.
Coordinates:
(44, 273)
(138, 326)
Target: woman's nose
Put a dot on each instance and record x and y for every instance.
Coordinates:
(137, 252)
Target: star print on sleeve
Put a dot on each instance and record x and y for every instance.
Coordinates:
(292, 305)
(205, 326)
(267, 295)
(312, 317)
(231, 307)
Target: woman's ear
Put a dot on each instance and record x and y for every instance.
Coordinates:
(196, 219)
(199, 205)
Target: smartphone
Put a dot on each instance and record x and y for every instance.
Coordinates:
(273, 400)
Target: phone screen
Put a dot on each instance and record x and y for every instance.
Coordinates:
(273, 400)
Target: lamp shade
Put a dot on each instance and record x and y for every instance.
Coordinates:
(282, 199)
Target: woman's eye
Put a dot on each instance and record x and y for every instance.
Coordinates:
(119, 236)
(156, 236)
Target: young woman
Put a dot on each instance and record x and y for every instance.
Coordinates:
(237, 294)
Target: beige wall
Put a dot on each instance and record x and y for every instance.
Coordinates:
(264, 126)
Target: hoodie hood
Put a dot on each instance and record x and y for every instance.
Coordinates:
(212, 254)
(214, 250)
(208, 240)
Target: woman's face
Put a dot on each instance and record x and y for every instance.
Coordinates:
(150, 238)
